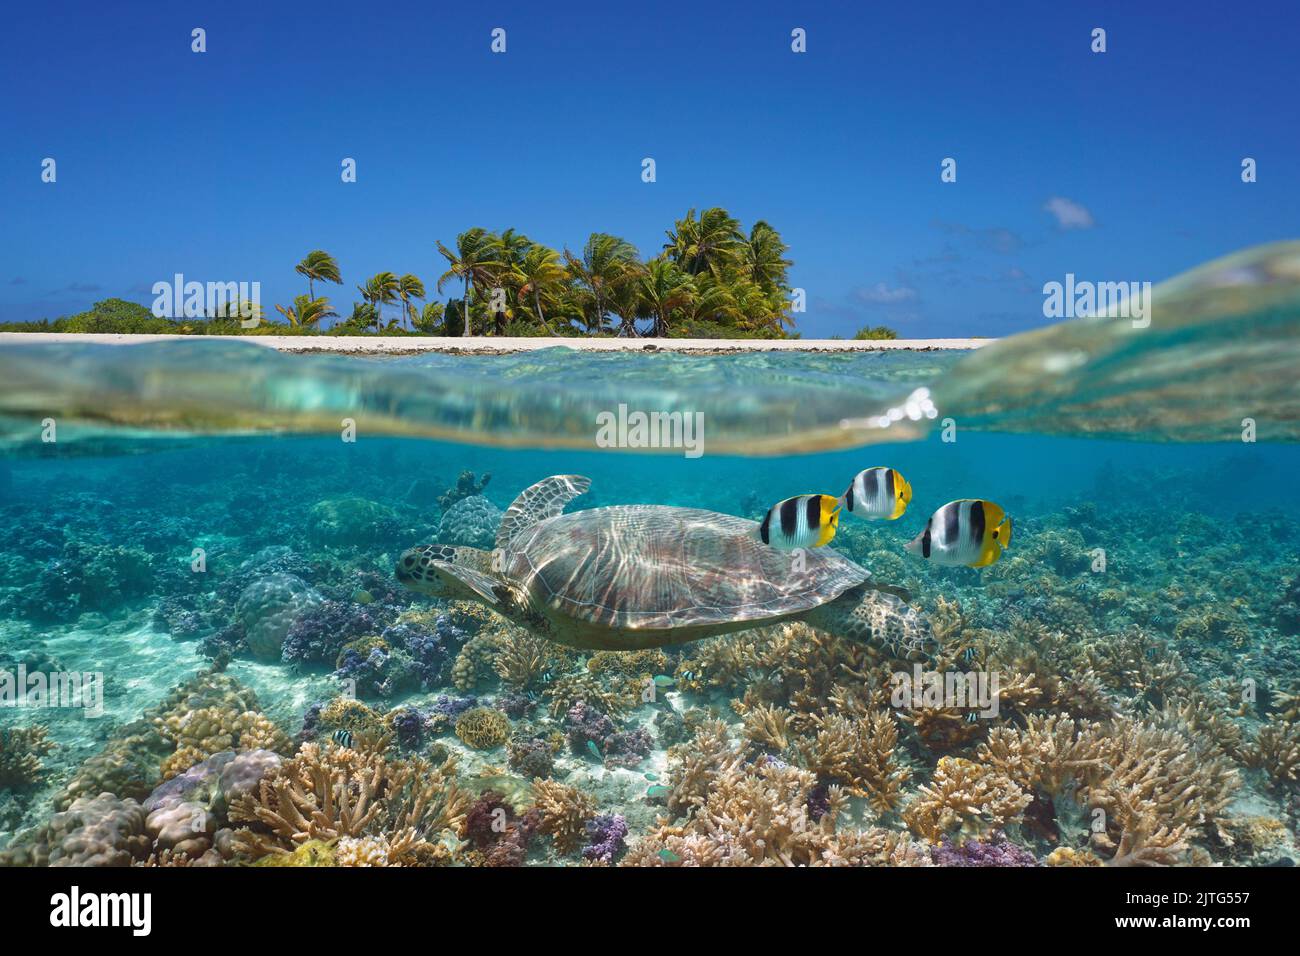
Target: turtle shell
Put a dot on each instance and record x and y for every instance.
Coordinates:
(655, 567)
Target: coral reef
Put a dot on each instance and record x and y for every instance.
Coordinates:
(471, 521)
(483, 728)
(21, 750)
(268, 607)
(563, 813)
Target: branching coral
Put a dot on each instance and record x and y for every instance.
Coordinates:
(564, 813)
(330, 793)
(1158, 784)
(21, 750)
(858, 753)
(761, 816)
(964, 796)
(1277, 752)
(568, 690)
(523, 659)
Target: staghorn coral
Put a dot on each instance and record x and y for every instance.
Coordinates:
(1143, 840)
(964, 796)
(483, 728)
(1130, 769)
(21, 750)
(523, 659)
(563, 692)
(858, 753)
(767, 727)
(1277, 752)
(564, 812)
(630, 665)
(759, 815)
(326, 794)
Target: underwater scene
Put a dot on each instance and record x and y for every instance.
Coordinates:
(868, 609)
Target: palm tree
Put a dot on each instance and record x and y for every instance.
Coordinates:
(540, 274)
(602, 266)
(409, 287)
(664, 289)
(381, 290)
(712, 300)
(764, 257)
(710, 244)
(476, 261)
(431, 316)
(363, 316)
(625, 299)
(307, 311)
(318, 264)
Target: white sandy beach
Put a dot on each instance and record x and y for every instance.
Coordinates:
(411, 345)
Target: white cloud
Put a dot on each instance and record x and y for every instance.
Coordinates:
(1069, 214)
(884, 295)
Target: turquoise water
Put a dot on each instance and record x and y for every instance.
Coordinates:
(1147, 608)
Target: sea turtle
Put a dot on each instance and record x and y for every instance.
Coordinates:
(636, 576)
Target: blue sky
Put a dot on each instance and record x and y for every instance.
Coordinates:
(225, 165)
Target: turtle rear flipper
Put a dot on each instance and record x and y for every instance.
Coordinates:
(877, 617)
(546, 499)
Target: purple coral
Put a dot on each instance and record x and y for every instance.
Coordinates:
(453, 707)
(592, 733)
(410, 724)
(996, 850)
(605, 838)
(585, 725)
(318, 634)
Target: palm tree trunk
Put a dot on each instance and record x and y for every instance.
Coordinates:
(537, 303)
(465, 331)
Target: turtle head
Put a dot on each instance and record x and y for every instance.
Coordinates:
(447, 571)
(415, 568)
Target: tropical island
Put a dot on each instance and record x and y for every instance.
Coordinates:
(710, 280)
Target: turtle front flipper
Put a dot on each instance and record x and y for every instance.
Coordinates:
(455, 577)
(877, 617)
(546, 499)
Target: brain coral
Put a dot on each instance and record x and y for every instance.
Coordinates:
(94, 831)
(472, 521)
(483, 728)
(268, 607)
(351, 521)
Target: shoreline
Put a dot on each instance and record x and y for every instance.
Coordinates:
(479, 345)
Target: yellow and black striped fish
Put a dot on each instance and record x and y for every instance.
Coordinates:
(877, 493)
(968, 531)
(805, 521)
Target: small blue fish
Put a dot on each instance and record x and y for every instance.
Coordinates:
(651, 775)
(591, 745)
(668, 856)
(658, 790)
(663, 680)
(343, 738)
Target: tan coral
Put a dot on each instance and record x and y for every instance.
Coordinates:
(859, 754)
(564, 811)
(483, 728)
(326, 794)
(964, 796)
